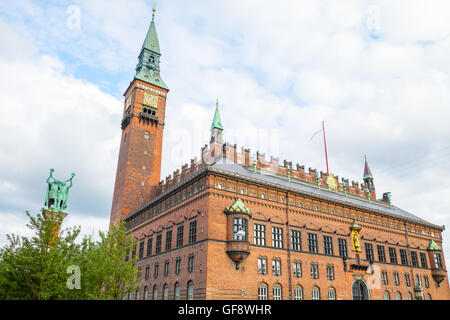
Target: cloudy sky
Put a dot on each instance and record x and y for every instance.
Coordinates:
(377, 73)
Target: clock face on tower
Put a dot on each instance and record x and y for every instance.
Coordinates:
(150, 100)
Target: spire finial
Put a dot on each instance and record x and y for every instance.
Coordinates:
(153, 9)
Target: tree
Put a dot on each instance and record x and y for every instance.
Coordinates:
(108, 276)
(37, 267)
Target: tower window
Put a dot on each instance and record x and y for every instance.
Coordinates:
(147, 136)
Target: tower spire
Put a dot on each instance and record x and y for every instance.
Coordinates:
(217, 122)
(367, 176)
(216, 126)
(147, 68)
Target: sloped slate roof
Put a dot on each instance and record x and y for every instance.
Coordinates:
(233, 168)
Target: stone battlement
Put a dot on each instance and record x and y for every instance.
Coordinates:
(215, 151)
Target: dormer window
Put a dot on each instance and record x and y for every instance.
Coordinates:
(152, 59)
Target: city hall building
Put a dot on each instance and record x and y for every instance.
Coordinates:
(233, 226)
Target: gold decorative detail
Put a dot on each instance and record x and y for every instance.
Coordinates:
(355, 236)
(332, 182)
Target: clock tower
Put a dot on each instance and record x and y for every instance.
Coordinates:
(139, 165)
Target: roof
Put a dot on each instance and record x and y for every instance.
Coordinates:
(151, 40)
(367, 173)
(229, 166)
(217, 122)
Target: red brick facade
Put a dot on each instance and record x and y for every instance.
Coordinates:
(283, 200)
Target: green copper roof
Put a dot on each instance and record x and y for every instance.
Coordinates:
(217, 122)
(147, 68)
(434, 246)
(238, 207)
(151, 40)
(367, 173)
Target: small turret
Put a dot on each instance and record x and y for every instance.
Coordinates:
(216, 127)
(367, 177)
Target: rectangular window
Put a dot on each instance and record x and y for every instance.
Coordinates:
(127, 255)
(133, 253)
(277, 237)
(147, 272)
(314, 271)
(178, 266)
(141, 249)
(418, 280)
(407, 280)
(437, 260)
(262, 266)
(168, 239)
(149, 246)
(381, 253)
(328, 245)
(369, 252)
(423, 260)
(330, 273)
(414, 260)
(403, 257)
(156, 270)
(240, 229)
(384, 277)
(312, 243)
(193, 231)
(342, 247)
(259, 234)
(191, 263)
(396, 279)
(158, 243)
(425, 281)
(180, 235)
(276, 267)
(393, 255)
(296, 240)
(297, 267)
(166, 268)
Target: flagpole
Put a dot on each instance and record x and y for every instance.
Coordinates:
(325, 144)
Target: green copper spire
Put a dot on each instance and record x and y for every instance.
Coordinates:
(151, 40)
(147, 68)
(217, 122)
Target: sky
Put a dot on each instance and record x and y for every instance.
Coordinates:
(376, 72)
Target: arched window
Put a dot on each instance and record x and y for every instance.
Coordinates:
(277, 292)
(316, 293)
(331, 294)
(398, 296)
(386, 295)
(298, 292)
(177, 291)
(190, 290)
(409, 296)
(359, 290)
(137, 294)
(166, 292)
(146, 293)
(155, 292)
(428, 297)
(262, 291)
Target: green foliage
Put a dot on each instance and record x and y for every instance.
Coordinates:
(36, 267)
